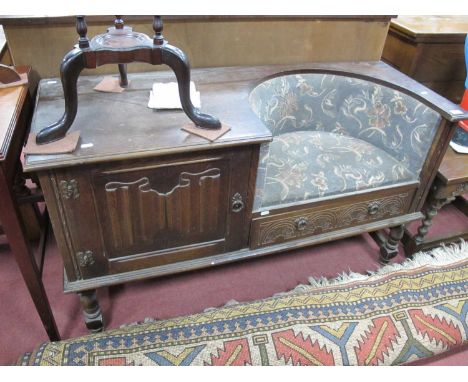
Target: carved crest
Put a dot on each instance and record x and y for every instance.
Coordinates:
(69, 189)
(85, 259)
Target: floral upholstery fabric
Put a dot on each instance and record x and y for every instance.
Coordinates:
(389, 121)
(309, 164)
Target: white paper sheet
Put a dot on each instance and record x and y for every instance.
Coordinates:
(166, 96)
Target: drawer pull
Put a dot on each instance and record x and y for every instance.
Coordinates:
(301, 223)
(373, 208)
(237, 203)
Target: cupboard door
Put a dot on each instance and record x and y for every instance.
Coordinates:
(131, 215)
(161, 211)
(162, 207)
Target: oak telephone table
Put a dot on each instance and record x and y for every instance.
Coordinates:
(141, 198)
(354, 148)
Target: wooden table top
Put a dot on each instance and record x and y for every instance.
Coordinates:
(11, 103)
(121, 126)
(116, 126)
(454, 168)
(432, 28)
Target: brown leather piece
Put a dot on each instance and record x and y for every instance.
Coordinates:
(109, 85)
(211, 135)
(22, 81)
(65, 145)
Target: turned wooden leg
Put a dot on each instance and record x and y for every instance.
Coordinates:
(92, 311)
(123, 75)
(177, 61)
(389, 247)
(416, 243)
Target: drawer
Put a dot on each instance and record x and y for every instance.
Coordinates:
(327, 216)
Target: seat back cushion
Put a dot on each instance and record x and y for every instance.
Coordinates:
(388, 119)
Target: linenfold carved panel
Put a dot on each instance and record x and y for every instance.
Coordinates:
(286, 228)
(140, 215)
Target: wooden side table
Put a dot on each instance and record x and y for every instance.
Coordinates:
(15, 104)
(451, 182)
(430, 49)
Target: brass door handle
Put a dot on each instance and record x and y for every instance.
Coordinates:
(237, 203)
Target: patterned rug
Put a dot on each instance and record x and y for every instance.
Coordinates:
(399, 314)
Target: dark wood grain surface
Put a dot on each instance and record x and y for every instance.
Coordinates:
(105, 118)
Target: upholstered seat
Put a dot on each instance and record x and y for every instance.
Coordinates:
(309, 164)
(335, 134)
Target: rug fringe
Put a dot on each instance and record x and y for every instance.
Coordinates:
(443, 255)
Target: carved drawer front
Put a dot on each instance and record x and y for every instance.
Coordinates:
(316, 220)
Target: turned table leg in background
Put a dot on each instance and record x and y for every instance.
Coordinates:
(441, 195)
(14, 230)
(433, 208)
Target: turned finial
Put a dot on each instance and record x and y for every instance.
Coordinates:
(158, 38)
(82, 29)
(118, 23)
